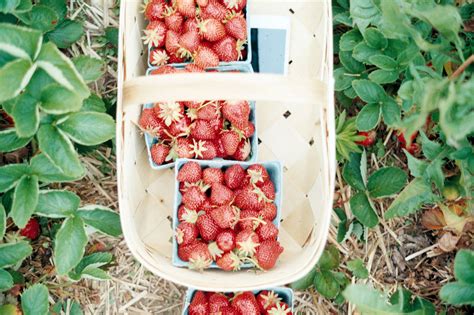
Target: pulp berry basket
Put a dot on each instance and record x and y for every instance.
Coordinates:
(150, 140)
(286, 295)
(296, 126)
(274, 169)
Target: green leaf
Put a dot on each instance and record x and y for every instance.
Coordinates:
(62, 70)
(369, 117)
(330, 259)
(458, 293)
(464, 266)
(352, 65)
(6, 280)
(374, 38)
(3, 221)
(368, 300)
(363, 210)
(384, 62)
(417, 193)
(96, 260)
(362, 52)
(357, 268)
(102, 219)
(34, 301)
(88, 128)
(343, 79)
(305, 282)
(47, 172)
(57, 99)
(383, 76)
(90, 68)
(24, 6)
(8, 6)
(417, 167)
(386, 181)
(13, 253)
(95, 274)
(59, 149)
(391, 112)
(57, 203)
(14, 77)
(10, 175)
(364, 13)
(59, 7)
(431, 149)
(25, 113)
(66, 33)
(326, 284)
(25, 199)
(69, 247)
(352, 173)
(93, 104)
(112, 35)
(369, 91)
(9, 140)
(41, 18)
(350, 39)
(20, 42)
(445, 19)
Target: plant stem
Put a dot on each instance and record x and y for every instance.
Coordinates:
(462, 68)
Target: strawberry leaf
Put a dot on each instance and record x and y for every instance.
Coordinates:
(374, 38)
(58, 6)
(326, 284)
(3, 221)
(93, 104)
(14, 253)
(47, 172)
(8, 6)
(6, 280)
(363, 210)
(386, 181)
(353, 170)
(384, 76)
(25, 114)
(305, 282)
(56, 99)
(101, 218)
(461, 292)
(19, 41)
(350, 39)
(357, 268)
(34, 300)
(14, 76)
(70, 243)
(364, 12)
(369, 117)
(9, 140)
(66, 33)
(90, 68)
(368, 91)
(40, 17)
(88, 128)
(25, 199)
(10, 175)
(57, 203)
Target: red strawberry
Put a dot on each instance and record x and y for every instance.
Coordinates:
(163, 70)
(247, 242)
(209, 111)
(230, 310)
(186, 233)
(184, 251)
(199, 304)
(220, 148)
(202, 130)
(159, 57)
(268, 189)
(414, 148)
(226, 49)
(154, 10)
(174, 21)
(249, 199)
(31, 230)
(217, 301)
(186, 8)
(249, 131)
(246, 304)
(183, 148)
(207, 206)
(234, 176)
(267, 299)
(212, 30)
(202, 3)
(226, 240)
(190, 172)
(186, 215)
(172, 41)
(230, 141)
(237, 112)
(190, 25)
(149, 121)
(267, 254)
(236, 26)
(200, 149)
(159, 153)
(215, 251)
(280, 309)
(267, 231)
(217, 124)
(155, 34)
(215, 10)
(169, 112)
(212, 175)
(207, 44)
(258, 174)
(401, 138)
(193, 198)
(206, 58)
(225, 216)
(208, 229)
(175, 59)
(221, 194)
(180, 127)
(235, 5)
(269, 211)
(369, 138)
(249, 219)
(189, 43)
(200, 258)
(194, 68)
(229, 262)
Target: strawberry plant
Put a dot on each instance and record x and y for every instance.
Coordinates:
(461, 292)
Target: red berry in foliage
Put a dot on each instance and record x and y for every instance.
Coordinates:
(246, 304)
(413, 147)
(226, 240)
(268, 253)
(190, 172)
(31, 230)
(369, 138)
(199, 304)
(217, 301)
(267, 299)
(234, 176)
(159, 153)
(208, 229)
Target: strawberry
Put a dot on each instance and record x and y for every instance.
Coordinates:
(155, 34)
(215, 251)
(237, 112)
(208, 229)
(184, 251)
(249, 199)
(226, 49)
(225, 216)
(186, 233)
(193, 198)
(249, 219)
(220, 149)
(234, 176)
(267, 254)
(267, 231)
(202, 130)
(258, 174)
(230, 310)
(183, 148)
(160, 153)
(31, 230)
(212, 175)
(246, 303)
(236, 26)
(186, 7)
(154, 10)
(199, 149)
(207, 206)
(190, 172)
(194, 68)
(180, 127)
(217, 301)
(268, 190)
(269, 211)
(215, 10)
(163, 70)
(401, 138)
(226, 240)
(174, 21)
(235, 5)
(199, 304)
(200, 258)
(159, 57)
(169, 112)
(209, 111)
(175, 59)
(280, 309)
(172, 41)
(369, 138)
(217, 124)
(414, 148)
(230, 141)
(190, 25)
(186, 215)
(221, 194)
(202, 3)
(230, 261)
(249, 130)
(149, 121)
(247, 242)
(267, 299)
(206, 58)
(211, 30)
(189, 43)
(210, 152)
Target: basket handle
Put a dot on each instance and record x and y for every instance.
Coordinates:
(230, 86)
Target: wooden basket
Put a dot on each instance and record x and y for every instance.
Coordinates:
(296, 126)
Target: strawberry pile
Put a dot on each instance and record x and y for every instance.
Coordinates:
(226, 217)
(203, 31)
(199, 130)
(243, 303)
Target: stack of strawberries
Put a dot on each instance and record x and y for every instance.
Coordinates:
(203, 31)
(200, 130)
(226, 217)
(243, 303)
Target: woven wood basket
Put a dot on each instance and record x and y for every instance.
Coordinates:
(296, 126)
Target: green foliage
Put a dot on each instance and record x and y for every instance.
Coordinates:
(34, 301)
(346, 137)
(461, 292)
